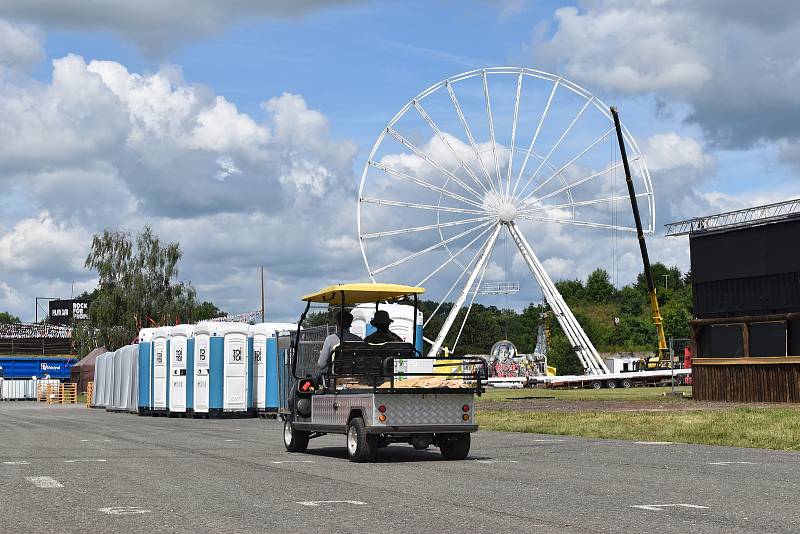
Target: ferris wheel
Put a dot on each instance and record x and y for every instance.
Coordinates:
(503, 153)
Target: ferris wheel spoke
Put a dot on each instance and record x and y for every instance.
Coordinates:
(491, 131)
(556, 145)
(464, 271)
(414, 205)
(469, 308)
(536, 135)
(438, 132)
(432, 162)
(580, 203)
(454, 256)
(422, 183)
(576, 223)
(567, 164)
(523, 205)
(413, 229)
(468, 131)
(430, 248)
(513, 135)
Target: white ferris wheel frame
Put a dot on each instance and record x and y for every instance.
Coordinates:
(505, 201)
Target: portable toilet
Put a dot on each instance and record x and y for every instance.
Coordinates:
(180, 365)
(265, 364)
(200, 373)
(145, 363)
(160, 373)
(236, 368)
(402, 321)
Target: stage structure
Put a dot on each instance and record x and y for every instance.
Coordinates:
(746, 284)
(502, 150)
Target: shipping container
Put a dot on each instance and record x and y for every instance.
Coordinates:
(26, 368)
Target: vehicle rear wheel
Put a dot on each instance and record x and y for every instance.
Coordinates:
(627, 383)
(597, 384)
(294, 440)
(360, 446)
(611, 384)
(456, 447)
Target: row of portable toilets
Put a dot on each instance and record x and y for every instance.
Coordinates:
(207, 369)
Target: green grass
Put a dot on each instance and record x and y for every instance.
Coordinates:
(767, 428)
(634, 394)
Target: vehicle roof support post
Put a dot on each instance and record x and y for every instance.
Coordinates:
(476, 270)
(651, 287)
(296, 347)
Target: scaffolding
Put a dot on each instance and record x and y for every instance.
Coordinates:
(737, 219)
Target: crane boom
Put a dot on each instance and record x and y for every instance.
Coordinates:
(651, 287)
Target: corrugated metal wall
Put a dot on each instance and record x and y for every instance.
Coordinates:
(746, 383)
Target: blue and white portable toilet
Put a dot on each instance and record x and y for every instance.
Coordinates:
(145, 363)
(265, 364)
(160, 366)
(201, 368)
(180, 368)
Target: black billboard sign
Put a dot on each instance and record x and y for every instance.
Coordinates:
(63, 312)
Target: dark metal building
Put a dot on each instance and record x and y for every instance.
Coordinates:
(746, 284)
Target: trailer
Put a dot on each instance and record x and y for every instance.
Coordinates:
(623, 380)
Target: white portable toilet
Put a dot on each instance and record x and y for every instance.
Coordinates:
(99, 380)
(133, 373)
(160, 374)
(202, 364)
(108, 379)
(178, 359)
(260, 333)
(236, 366)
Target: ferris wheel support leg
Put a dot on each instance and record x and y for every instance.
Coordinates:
(583, 346)
(476, 270)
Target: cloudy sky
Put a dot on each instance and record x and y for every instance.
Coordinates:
(241, 128)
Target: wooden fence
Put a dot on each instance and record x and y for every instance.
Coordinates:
(747, 383)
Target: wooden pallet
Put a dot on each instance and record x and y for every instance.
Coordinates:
(62, 394)
(89, 394)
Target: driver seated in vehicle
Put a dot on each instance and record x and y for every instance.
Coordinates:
(344, 320)
(382, 334)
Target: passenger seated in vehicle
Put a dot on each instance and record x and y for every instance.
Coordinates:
(381, 322)
(344, 321)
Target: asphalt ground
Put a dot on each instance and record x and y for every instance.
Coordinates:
(74, 469)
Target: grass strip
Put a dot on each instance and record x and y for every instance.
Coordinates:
(765, 428)
(618, 394)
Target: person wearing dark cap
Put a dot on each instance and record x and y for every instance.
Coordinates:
(344, 320)
(382, 334)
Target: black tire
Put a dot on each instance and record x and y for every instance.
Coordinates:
(678, 380)
(360, 446)
(597, 384)
(626, 383)
(294, 440)
(611, 384)
(456, 447)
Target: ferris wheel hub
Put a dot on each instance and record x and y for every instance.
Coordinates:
(507, 212)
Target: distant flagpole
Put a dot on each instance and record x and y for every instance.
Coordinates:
(262, 293)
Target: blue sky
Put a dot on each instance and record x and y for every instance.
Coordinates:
(290, 97)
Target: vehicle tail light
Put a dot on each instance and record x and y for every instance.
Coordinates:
(465, 408)
(382, 408)
(465, 417)
(381, 418)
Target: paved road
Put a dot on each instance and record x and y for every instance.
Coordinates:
(71, 469)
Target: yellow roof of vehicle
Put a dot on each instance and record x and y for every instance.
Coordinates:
(362, 292)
